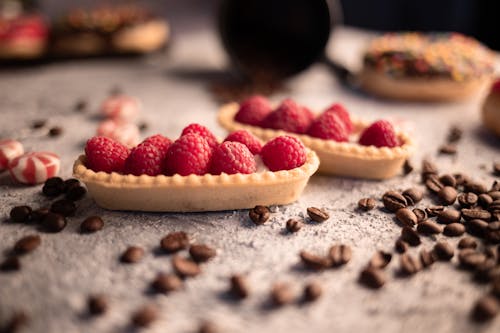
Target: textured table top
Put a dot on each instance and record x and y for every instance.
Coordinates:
(56, 279)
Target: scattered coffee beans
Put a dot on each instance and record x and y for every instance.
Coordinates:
(80, 105)
(132, 255)
(496, 169)
(448, 195)
(340, 255)
(282, 294)
(367, 204)
(317, 215)
(401, 246)
(393, 201)
(63, 207)
(27, 244)
(91, 224)
(174, 242)
(410, 236)
(208, 327)
(238, 287)
(10, 264)
(448, 149)
(312, 291)
(185, 267)
(39, 123)
(76, 193)
(432, 211)
(380, 259)
(145, 316)
(470, 258)
(448, 180)
(408, 167)
(313, 261)
(372, 277)
(486, 308)
(443, 250)
(413, 195)
(39, 214)
(97, 304)
(429, 227)
(467, 243)
(474, 213)
(433, 183)
(420, 214)
(53, 222)
(55, 131)
(53, 187)
(449, 216)
(165, 283)
(474, 187)
(454, 134)
(20, 214)
(426, 258)
(477, 228)
(407, 217)
(259, 214)
(201, 252)
(408, 264)
(428, 168)
(15, 323)
(454, 229)
(293, 225)
(70, 183)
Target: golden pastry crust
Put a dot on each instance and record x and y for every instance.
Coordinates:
(23, 48)
(337, 158)
(195, 193)
(142, 38)
(491, 113)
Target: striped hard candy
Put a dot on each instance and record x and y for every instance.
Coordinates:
(125, 133)
(9, 149)
(121, 107)
(35, 167)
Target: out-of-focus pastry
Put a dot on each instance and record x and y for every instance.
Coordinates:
(491, 109)
(23, 37)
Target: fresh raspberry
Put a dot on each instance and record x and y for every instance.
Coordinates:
(290, 117)
(158, 141)
(232, 157)
(203, 132)
(246, 138)
(145, 159)
(283, 153)
(329, 126)
(379, 134)
(342, 113)
(105, 154)
(190, 154)
(253, 110)
(495, 87)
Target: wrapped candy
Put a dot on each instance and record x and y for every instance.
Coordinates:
(9, 149)
(35, 167)
(122, 107)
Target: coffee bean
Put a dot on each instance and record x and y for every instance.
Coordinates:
(208, 327)
(448, 149)
(39, 214)
(259, 214)
(372, 277)
(282, 294)
(495, 195)
(313, 261)
(467, 200)
(427, 258)
(406, 217)
(428, 168)
(454, 230)
(238, 287)
(91, 224)
(443, 251)
(340, 255)
(494, 206)
(20, 214)
(496, 169)
(185, 267)
(70, 183)
(467, 243)
(434, 210)
(97, 304)
(132, 255)
(429, 227)
(10, 264)
(495, 288)
(448, 180)
(470, 259)
(448, 195)
(477, 228)
(493, 233)
(165, 283)
(367, 204)
(487, 271)
(485, 309)
(401, 246)
(39, 123)
(293, 225)
(53, 187)
(145, 316)
(143, 126)
(53, 222)
(484, 200)
(408, 265)
(76, 193)
(15, 323)
(433, 184)
(474, 187)
(495, 186)
(461, 178)
(492, 252)
(393, 201)
(317, 215)
(55, 131)
(201, 252)
(54, 182)
(410, 236)
(413, 195)
(473, 214)
(80, 105)
(408, 167)
(312, 291)
(420, 214)
(174, 242)
(63, 207)
(449, 216)
(380, 259)
(454, 134)
(27, 244)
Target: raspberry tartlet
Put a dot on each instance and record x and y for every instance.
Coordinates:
(345, 146)
(193, 174)
(491, 109)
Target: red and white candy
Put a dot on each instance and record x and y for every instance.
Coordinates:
(9, 149)
(121, 107)
(34, 168)
(125, 133)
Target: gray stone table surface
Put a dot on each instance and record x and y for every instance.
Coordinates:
(56, 279)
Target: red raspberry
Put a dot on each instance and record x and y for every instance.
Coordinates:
(329, 126)
(290, 117)
(158, 141)
(190, 154)
(342, 113)
(283, 153)
(145, 159)
(246, 138)
(253, 110)
(232, 157)
(105, 154)
(379, 134)
(495, 87)
(203, 132)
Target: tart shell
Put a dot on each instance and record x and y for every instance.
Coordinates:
(195, 193)
(491, 113)
(337, 158)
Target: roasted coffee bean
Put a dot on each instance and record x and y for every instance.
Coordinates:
(454, 134)
(293, 225)
(372, 277)
(97, 304)
(473, 214)
(10, 264)
(448, 195)
(20, 214)
(76, 193)
(487, 271)
(15, 323)
(39, 123)
(410, 236)
(496, 169)
(63, 207)
(53, 187)
(427, 258)
(448, 180)
(367, 204)
(282, 294)
(201, 252)
(428, 168)
(132, 255)
(408, 167)
(448, 149)
(408, 265)
(80, 105)
(492, 252)
(340, 255)
(477, 228)
(393, 201)
(429, 227)
(493, 232)
(484, 200)
(91, 224)
(467, 200)
(443, 251)
(208, 327)
(185, 267)
(495, 288)
(380, 259)
(470, 259)
(39, 214)
(313, 261)
(143, 126)
(401, 246)
(449, 216)
(474, 187)
(259, 214)
(495, 195)
(433, 184)
(238, 287)
(454, 229)
(420, 214)
(56, 131)
(165, 283)
(317, 215)
(312, 291)
(461, 178)
(27, 244)
(485, 309)
(70, 183)
(54, 222)
(434, 210)
(174, 242)
(495, 187)
(494, 206)
(413, 195)
(145, 316)
(467, 243)
(406, 217)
